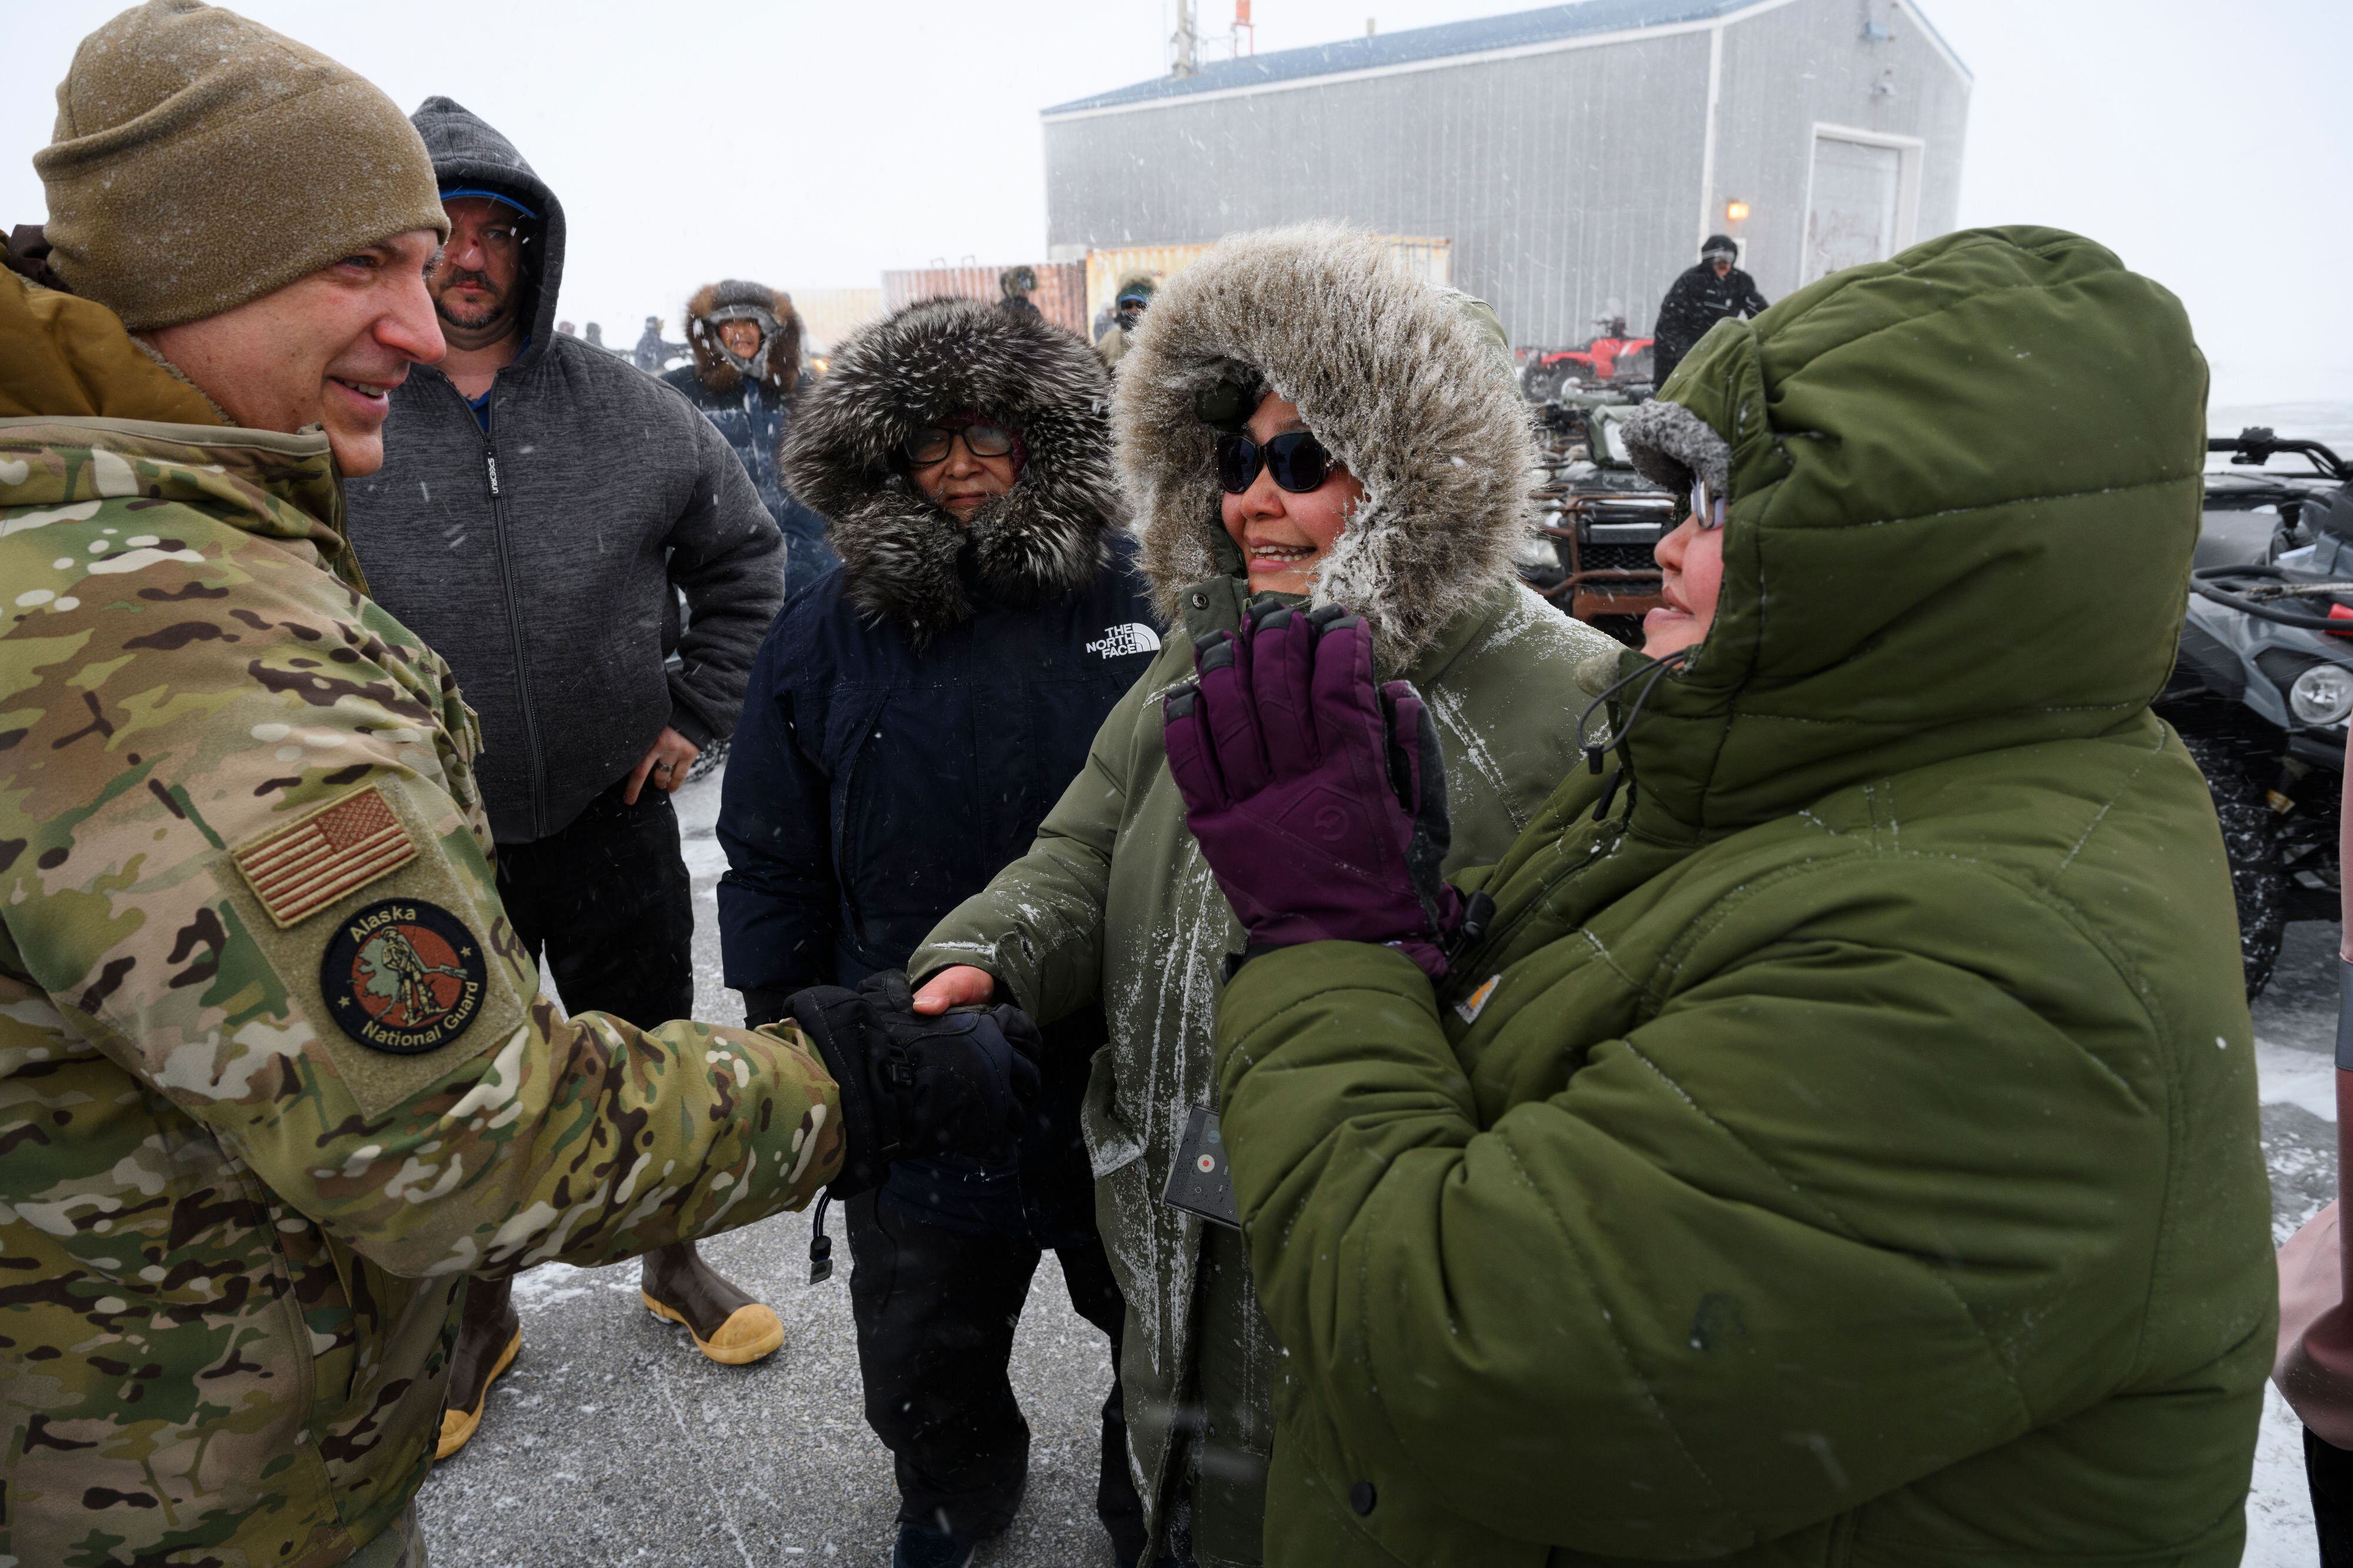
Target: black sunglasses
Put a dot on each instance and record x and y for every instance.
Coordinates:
(930, 445)
(1296, 459)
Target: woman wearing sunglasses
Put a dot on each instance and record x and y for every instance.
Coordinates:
(911, 717)
(1297, 416)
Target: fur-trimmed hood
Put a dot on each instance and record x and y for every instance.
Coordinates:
(712, 366)
(908, 559)
(1392, 376)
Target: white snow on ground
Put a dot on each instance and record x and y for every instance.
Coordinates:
(2303, 1078)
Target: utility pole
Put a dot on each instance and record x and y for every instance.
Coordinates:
(1185, 43)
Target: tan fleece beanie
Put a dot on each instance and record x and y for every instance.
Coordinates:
(201, 161)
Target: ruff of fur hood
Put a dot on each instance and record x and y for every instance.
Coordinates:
(1393, 377)
(906, 559)
(711, 366)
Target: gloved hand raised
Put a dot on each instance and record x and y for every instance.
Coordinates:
(957, 1084)
(1318, 798)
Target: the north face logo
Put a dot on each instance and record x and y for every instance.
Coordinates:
(1121, 641)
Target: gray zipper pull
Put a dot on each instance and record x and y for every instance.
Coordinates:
(491, 461)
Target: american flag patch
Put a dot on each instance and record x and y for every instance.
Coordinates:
(300, 869)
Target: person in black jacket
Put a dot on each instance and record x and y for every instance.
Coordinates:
(1702, 296)
(746, 341)
(541, 506)
(912, 716)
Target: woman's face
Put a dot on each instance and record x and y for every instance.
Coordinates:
(1284, 537)
(959, 483)
(1692, 558)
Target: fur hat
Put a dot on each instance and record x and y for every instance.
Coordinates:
(201, 161)
(777, 365)
(1396, 379)
(907, 559)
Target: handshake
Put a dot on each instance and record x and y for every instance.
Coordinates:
(958, 1083)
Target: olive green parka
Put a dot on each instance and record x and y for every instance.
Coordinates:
(1845, 1153)
(1113, 902)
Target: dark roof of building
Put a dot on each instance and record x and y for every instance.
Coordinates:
(1480, 36)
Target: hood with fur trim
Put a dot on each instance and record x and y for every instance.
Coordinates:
(714, 367)
(906, 559)
(1394, 377)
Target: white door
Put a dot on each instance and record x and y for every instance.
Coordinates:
(1853, 216)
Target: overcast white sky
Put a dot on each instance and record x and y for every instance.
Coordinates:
(812, 144)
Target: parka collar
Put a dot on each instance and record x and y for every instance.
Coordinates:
(258, 481)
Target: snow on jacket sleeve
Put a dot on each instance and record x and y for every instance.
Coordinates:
(1841, 1212)
(780, 902)
(1037, 926)
(728, 556)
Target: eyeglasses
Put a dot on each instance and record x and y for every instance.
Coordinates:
(930, 445)
(1707, 505)
(1296, 459)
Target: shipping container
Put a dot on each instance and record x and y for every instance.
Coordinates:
(1060, 297)
(1429, 258)
(830, 315)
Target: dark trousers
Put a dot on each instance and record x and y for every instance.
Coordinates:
(935, 1310)
(2330, 1472)
(605, 906)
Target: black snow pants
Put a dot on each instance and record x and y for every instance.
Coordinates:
(935, 1310)
(606, 907)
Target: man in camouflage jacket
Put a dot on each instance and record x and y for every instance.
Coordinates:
(274, 1075)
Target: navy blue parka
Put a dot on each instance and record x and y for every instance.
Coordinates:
(915, 711)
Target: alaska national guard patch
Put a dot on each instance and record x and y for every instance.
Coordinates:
(300, 869)
(403, 976)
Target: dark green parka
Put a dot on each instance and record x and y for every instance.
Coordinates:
(1847, 1153)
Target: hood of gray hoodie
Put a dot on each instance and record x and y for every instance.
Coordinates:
(540, 557)
(469, 153)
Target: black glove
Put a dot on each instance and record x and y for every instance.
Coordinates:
(957, 1084)
(763, 1004)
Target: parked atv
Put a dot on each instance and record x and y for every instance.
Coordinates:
(1612, 358)
(1598, 520)
(2264, 684)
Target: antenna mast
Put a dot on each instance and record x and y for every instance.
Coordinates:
(1185, 43)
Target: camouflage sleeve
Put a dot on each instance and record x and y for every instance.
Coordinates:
(252, 872)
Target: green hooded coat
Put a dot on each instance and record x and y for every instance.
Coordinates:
(1115, 903)
(1846, 1153)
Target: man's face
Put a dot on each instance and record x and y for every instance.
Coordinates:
(1723, 265)
(742, 338)
(326, 349)
(474, 281)
(1130, 313)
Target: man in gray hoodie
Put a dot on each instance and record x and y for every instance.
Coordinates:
(539, 500)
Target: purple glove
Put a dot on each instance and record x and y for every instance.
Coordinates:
(1318, 798)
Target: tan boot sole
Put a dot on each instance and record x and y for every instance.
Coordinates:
(749, 1334)
(457, 1427)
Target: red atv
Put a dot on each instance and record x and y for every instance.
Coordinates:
(1612, 359)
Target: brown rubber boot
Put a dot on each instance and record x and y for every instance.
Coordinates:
(489, 1337)
(728, 1326)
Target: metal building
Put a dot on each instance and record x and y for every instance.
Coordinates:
(1575, 156)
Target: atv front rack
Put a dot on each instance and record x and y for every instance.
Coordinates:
(2257, 590)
